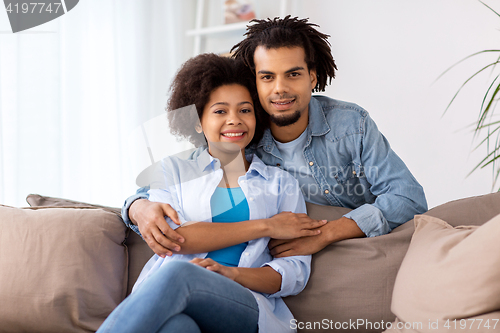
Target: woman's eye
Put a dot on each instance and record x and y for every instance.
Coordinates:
(246, 110)
(219, 111)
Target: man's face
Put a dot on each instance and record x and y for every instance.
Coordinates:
(284, 83)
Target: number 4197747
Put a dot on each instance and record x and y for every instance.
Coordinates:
(464, 323)
(31, 7)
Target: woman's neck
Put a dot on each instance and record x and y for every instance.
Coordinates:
(233, 165)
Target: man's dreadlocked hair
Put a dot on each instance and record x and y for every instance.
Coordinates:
(289, 32)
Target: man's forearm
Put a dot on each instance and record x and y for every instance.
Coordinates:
(343, 228)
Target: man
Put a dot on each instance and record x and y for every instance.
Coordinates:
(333, 148)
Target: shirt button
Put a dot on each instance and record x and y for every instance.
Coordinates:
(354, 172)
(277, 164)
(311, 163)
(251, 199)
(247, 254)
(326, 191)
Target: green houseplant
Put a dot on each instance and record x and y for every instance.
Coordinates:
(486, 123)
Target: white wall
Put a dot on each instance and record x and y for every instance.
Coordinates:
(389, 53)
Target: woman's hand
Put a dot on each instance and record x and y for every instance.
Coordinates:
(288, 225)
(214, 266)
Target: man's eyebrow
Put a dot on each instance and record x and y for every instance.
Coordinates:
(264, 72)
(294, 69)
(298, 68)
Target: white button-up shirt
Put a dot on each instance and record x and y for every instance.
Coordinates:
(188, 185)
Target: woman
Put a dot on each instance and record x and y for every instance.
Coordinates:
(227, 206)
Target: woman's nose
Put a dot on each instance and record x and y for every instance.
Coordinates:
(233, 119)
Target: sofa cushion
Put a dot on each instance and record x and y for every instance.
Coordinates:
(63, 269)
(448, 273)
(138, 250)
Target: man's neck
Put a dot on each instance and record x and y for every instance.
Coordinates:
(289, 133)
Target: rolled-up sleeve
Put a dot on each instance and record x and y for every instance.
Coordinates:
(295, 272)
(398, 194)
(140, 194)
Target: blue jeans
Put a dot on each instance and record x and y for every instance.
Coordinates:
(183, 297)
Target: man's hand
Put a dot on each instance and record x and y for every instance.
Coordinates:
(297, 247)
(286, 225)
(214, 266)
(150, 218)
(333, 231)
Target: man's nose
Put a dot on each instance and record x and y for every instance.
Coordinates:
(280, 85)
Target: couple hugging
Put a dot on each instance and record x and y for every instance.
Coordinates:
(229, 224)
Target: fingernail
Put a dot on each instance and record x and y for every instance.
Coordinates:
(324, 221)
(177, 249)
(181, 239)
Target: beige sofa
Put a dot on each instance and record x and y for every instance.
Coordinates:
(66, 265)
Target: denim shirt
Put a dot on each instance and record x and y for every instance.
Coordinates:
(354, 166)
(188, 184)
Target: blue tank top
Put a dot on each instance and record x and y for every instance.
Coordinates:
(229, 205)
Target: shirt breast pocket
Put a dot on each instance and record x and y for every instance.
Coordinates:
(354, 185)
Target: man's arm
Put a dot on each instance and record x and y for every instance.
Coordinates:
(333, 231)
(398, 194)
(398, 198)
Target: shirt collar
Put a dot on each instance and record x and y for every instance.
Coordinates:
(317, 120)
(258, 166)
(205, 161)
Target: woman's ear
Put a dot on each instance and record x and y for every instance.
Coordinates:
(198, 129)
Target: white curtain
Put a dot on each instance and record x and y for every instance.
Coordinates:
(74, 91)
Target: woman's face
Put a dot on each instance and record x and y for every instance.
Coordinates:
(228, 119)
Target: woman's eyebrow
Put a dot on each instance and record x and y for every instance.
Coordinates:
(226, 103)
(219, 103)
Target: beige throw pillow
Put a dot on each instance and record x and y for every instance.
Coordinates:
(449, 273)
(62, 269)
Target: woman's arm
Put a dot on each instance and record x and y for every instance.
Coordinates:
(261, 279)
(203, 237)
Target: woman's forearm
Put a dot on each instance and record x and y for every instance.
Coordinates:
(262, 279)
(210, 236)
(203, 237)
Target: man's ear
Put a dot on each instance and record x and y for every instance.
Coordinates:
(314, 78)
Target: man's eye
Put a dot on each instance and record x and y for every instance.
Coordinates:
(294, 74)
(266, 77)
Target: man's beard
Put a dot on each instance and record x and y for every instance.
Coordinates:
(282, 121)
